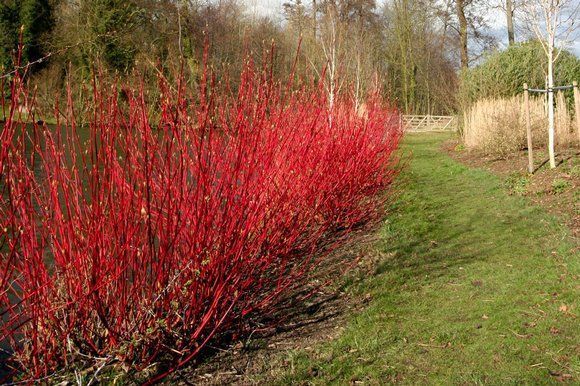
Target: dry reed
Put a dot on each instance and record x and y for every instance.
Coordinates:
(498, 126)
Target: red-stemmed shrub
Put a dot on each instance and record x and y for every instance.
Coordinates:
(169, 223)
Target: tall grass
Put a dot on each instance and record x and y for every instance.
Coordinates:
(497, 126)
(160, 233)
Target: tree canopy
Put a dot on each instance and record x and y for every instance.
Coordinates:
(503, 73)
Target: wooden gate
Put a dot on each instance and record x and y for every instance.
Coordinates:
(423, 123)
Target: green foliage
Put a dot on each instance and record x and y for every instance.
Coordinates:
(559, 185)
(517, 184)
(111, 21)
(35, 19)
(504, 73)
(9, 24)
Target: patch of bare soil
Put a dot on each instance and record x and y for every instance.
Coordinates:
(557, 190)
(262, 355)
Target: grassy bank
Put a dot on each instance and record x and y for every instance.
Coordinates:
(476, 287)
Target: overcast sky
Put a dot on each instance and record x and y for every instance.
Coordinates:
(495, 18)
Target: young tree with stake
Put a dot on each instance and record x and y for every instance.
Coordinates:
(553, 22)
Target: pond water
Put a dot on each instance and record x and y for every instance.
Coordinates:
(83, 135)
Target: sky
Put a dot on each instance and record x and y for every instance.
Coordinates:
(495, 18)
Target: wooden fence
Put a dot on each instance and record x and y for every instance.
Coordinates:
(424, 123)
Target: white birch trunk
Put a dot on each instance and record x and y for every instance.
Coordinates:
(551, 103)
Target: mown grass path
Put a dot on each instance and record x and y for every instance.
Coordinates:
(475, 287)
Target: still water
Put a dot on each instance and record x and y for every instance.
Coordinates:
(28, 132)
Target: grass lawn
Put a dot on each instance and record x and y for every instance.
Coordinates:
(476, 287)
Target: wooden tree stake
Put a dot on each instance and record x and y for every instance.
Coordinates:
(577, 107)
(529, 129)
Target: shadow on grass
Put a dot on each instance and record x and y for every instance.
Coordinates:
(416, 259)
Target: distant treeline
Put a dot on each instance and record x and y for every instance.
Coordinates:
(411, 49)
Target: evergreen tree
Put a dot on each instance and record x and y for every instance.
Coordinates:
(9, 24)
(111, 22)
(35, 19)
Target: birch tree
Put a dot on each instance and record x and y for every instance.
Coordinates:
(331, 40)
(325, 46)
(554, 22)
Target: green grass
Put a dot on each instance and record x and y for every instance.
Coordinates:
(477, 287)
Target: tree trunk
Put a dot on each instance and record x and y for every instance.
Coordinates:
(403, 38)
(551, 104)
(529, 130)
(314, 20)
(460, 5)
(359, 48)
(509, 10)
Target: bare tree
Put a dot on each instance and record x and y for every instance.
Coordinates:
(553, 22)
(461, 16)
(509, 12)
(507, 7)
(467, 20)
(341, 42)
(418, 53)
(332, 33)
